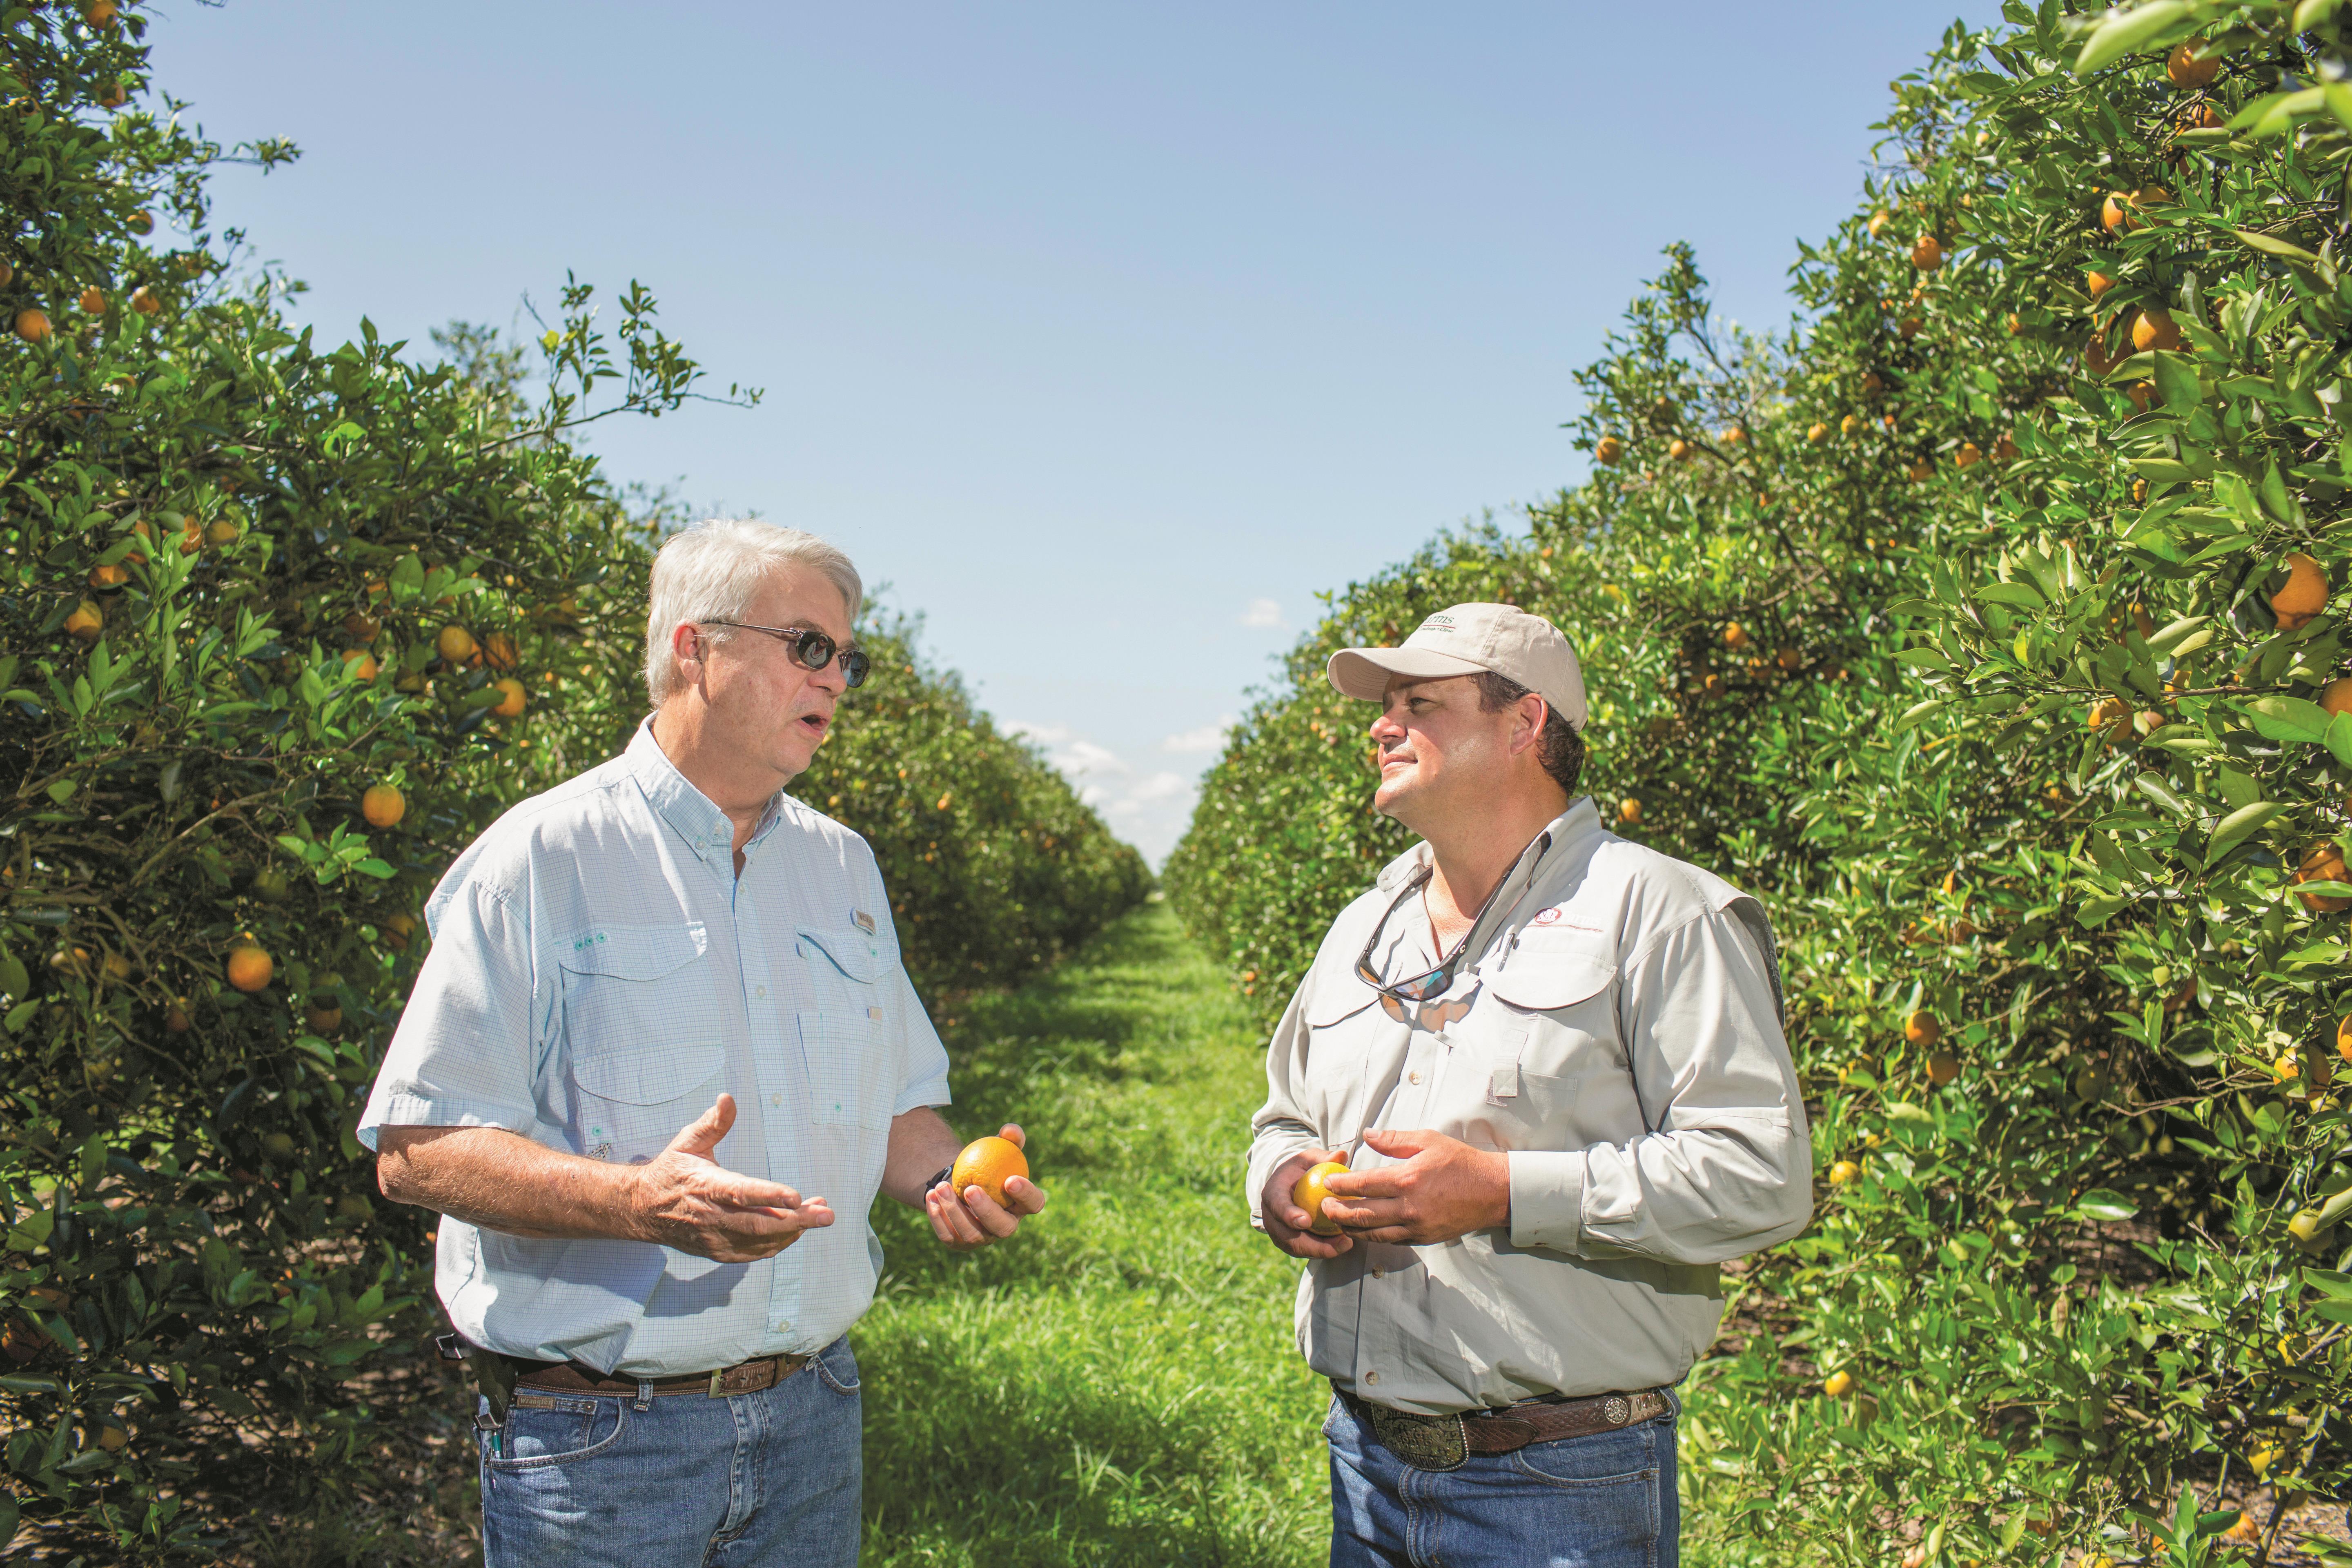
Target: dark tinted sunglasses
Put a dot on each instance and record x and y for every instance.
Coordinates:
(1437, 982)
(811, 650)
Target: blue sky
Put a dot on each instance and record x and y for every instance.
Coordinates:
(1107, 335)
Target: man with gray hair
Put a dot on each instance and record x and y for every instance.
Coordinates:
(662, 955)
(1551, 1062)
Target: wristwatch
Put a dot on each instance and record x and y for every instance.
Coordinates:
(947, 1173)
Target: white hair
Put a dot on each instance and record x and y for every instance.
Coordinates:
(711, 570)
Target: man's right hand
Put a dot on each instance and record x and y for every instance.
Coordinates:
(1286, 1222)
(683, 1198)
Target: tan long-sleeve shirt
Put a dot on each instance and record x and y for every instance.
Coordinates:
(1618, 1033)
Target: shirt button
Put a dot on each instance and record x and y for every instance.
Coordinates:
(775, 1099)
(1372, 1377)
(758, 991)
(1379, 1273)
(1414, 1076)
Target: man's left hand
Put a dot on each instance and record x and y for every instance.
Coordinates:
(1442, 1188)
(970, 1218)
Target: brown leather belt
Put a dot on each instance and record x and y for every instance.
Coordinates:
(743, 1377)
(1443, 1442)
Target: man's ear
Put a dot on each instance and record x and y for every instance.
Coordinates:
(1529, 712)
(685, 646)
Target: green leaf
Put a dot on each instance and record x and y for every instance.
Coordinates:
(2168, 640)
(2232, 829)
(32, 1231)
(1917, 711)
(1901, 1111)
(2309, 14)
(2288, 719)
(2021, 594)
(2100, 1203)
(2269, 246)
(2175, 382)
(2119, 36)
(2096, 912)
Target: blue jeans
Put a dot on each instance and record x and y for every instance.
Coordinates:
(680, 1480)
(1606, 1500)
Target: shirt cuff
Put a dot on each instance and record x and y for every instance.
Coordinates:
(1547, 1199)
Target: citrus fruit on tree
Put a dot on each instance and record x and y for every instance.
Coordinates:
(382, 805)
(455, 644)
(249, 967)
(33, 325)
(511, 703)
(988, 1164)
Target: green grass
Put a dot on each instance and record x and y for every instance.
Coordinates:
(1118, 1384)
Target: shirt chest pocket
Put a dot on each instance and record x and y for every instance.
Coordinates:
(643, 1033)
(1547, 1048)
(847, 1048)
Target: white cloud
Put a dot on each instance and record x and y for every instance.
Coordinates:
(1149, 807)
(1262, 612)
(1207, 738)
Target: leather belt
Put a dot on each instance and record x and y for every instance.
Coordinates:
(1444, 1442)
(743, 1377)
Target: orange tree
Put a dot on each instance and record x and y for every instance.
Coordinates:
(282, 630)
(1986, 625)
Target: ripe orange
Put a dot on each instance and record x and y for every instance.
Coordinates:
(2099, 283)
(2188, 67)
(1712, 686)
(1908, 328)
(1878, 222)
(1849, 424)
(1680, 451)
(93, 299)
(222, 531)
(360, 663)
(1927, 253)
(143, 300)
(1873, 384)
(1923, 469)
(1310, 1191)
(2305, 593)
(112, 96)
(324, 1020)
(2155, 329)
(1790, 659)
(1733, 435)
(988, 1164)
(2142, 396)
(455, 644)
(361, 628)
(1844, 1171)
(2004, 450)
(2337, 698)
(2344, 1036)
(249, 967)
(2202, 117)
(1838, 1384)
(382, 805)
(1922, 1029)
(109, 576)
(2016, 326)
(1629, 811)
(142, 221)
(1967, 454)
(2323, 862)
(1609, 450)
(1736, 635)
(511, 703)
(176, 1016)
(1942, 1069)
(100, 13)
(86, 621)
(1816, 433)
(499, 652)
(397, 931)
(33, 325)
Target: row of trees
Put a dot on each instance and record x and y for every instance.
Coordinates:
(1988, 626)
(282, 629)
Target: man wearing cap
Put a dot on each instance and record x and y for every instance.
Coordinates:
(1553, 1060)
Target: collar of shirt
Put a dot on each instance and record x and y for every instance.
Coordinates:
(694, 815)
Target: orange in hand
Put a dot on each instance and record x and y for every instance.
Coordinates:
(988, 1164)
(1310, 1191)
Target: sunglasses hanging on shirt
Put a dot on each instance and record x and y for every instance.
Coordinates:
(1437, 982)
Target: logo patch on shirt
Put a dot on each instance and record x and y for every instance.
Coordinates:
(863, 920)
(1547, 917)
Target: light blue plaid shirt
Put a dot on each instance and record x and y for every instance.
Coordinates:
(598, 975)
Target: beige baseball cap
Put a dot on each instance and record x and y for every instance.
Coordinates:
(1463, 641)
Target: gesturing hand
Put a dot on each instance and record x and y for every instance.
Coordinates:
(683, 1198)
(970, 1218)
(1286, 1223)
(1443, 1188)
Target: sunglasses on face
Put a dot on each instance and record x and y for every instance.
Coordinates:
(1437, 982)
(811, 650)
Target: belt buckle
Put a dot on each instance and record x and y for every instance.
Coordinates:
(1435, 1443)
(1617, 1410)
